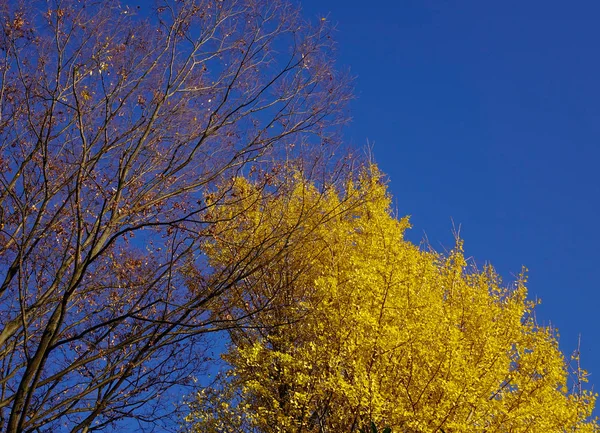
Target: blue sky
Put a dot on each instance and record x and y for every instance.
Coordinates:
(487, 114)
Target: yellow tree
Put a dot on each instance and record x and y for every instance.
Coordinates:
(358, 324)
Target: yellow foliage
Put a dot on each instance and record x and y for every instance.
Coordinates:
(348, 322)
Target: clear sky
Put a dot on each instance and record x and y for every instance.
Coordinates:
(488, 114)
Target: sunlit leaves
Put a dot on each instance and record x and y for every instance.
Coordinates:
(356, 324)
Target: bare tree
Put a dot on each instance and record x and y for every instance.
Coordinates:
(115, 128)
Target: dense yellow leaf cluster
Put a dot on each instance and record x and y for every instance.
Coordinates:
(348, 322)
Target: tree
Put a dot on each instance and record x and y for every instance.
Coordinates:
(361, 326)
(116, 129)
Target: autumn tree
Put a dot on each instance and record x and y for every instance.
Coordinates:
(360, 325)
(119, 129)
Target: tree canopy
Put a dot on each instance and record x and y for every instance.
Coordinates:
(175, 174)
(116, 123)
(356, 324)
